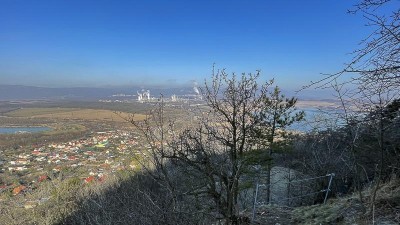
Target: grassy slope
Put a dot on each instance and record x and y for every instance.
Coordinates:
(350, 210)
(344, 210)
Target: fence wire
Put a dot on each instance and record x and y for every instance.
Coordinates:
(256, 203)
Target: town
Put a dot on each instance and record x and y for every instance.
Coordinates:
(91, 158)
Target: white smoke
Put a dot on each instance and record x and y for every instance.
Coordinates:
(195, 89)
(144, 95)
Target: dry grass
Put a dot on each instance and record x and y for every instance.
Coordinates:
(30, 112)
(350, 210)
(74, 114)
(123, 198)
(52, 202)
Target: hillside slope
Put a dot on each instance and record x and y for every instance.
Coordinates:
(344, 210)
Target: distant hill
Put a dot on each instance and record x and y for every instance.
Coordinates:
(19, 92)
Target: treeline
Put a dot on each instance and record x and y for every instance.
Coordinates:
(361, 153)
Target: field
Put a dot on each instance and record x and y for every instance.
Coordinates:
(72, 121)
(74, 114)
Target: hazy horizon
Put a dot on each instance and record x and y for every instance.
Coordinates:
(173, 43)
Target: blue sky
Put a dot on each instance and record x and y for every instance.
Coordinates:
(97, 43)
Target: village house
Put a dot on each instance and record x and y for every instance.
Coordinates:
(98, 153)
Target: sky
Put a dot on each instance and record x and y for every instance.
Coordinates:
(54, 43)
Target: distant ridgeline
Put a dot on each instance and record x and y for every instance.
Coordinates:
(19, 92)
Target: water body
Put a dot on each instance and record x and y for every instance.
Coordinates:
(14, 130)
(318, 119)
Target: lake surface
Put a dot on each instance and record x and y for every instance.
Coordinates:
(318, 119)
(13, 130)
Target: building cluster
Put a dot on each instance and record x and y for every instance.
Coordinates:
(91, 158)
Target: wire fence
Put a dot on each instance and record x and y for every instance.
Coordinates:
(289, 192)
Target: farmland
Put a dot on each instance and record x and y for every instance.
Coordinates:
(72, 114)
(67, 120)
(84, 140)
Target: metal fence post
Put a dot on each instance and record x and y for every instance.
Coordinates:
(255, 203)
(329, 186)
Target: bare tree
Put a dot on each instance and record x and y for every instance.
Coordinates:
(209, 152)
(159, 132)
(352, 128)
(377, 59)
(375, 100)
(214, 151)
(373, 74)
